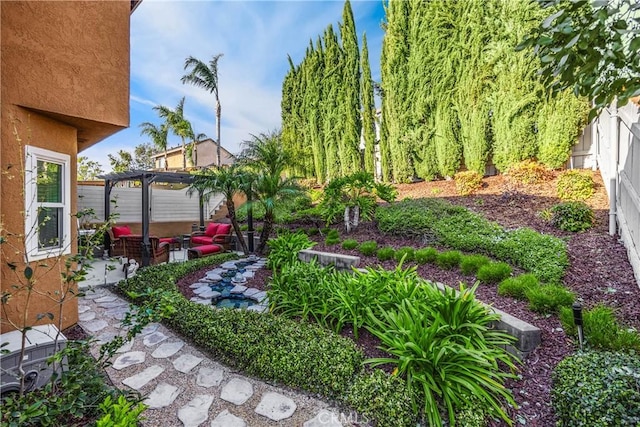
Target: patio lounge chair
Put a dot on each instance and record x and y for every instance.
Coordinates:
(159, 252)
(215, 233)
(116, 243)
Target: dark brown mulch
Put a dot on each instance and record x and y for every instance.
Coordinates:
(599, 273)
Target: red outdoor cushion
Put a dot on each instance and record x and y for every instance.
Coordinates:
(223, 229)
(120, 231)
(201, 240)
(168, 240)
(207, 249)
(212, 229)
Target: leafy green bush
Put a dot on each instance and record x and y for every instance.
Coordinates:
(601, 329)
(549, 298)
(443, 344)
(517, 287)
(426, 255)
(368, 248)
(333, 238)
(494, 272)
(284, 248)
(119, 414)
(469, 264)
(349, 244)
(285, 210)
(575, 185)
(458, 228)
(572, 216)
(528, 172)
(597, 390)
(312, 231)
(467, 182)
(448, 260)
(406, 252)
(384, 398)
(385, 254)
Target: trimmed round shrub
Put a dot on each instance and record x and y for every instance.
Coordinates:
(368, 248)
(405, 252)
(597, 390)
(349, 244)
(575, 185)
(470, 264)
(494, 272)
(312, 231)
(448, 260)
(426, 255)
(572, 216)
(467, 182)
(549, 298)
(517, 287)
(385, 254)
(333, 238)
(528, 172)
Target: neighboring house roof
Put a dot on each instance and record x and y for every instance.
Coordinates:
(178, 150)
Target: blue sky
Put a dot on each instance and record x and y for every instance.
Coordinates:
(255, 38)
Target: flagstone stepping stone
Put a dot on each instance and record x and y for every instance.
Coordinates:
(113, 304)
(324, 419)
(237, 391)
(258, 308)
(201, 289)
(186, 362)
(203, 301)
(149, 329)
(214, 276)
(108, 298)
(83, 308)
(154, 338)
(167, 349)
(95, 325)
(141, 379)
(208, 377)
(197, 285)
(250, 292)
(196, 411)
(118, 313)
(209, 293)
(92, 295)
(163, 395)
(85, 317)
(275, 406)
(106, 337)
(228, 265)
(227, 419)
(248, 274)
(238, 289)
(127, 346)
(128, 359)
(259, 296)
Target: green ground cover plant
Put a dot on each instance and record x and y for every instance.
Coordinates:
(448, 260)
(349, 244)
(575, 185)
(572, 216)
(601, 329)
(385, 254)
(406, 253)
(333, 237)
(549, 298)
(517, 287)
(426, 255)
(284, 248)
(458, 228)
(494, 272)
(597, 389)
(470, 264)
(368, 248)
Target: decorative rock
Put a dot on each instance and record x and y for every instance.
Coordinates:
(203, 302)
(83, 308)
(186, 362)
(154, 338)
(163, 395)
(237, 391)
(216, 271)
(196, 411)
(275, 406)
(250, 292)
(108, 298)
(259, 308)
(95, 325)
(202, 289)
(117, 313)
(214, 276)
(85, 317)
(167, 349)
(248, 274)
(324, 419)
(149, 329)
(259, 296)
(227, 419)
(229, 265)
(113, 304)
(92, 295)
(208, 293)
(106, 337)
(128, 359)
(208, 377)
(141, 379)
(238, 289)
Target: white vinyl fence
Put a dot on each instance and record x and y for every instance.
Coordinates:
(616, 137)
(166, 205)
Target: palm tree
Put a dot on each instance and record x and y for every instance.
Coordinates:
(206, 77)
(158, 135)
(179, 125)
(266, 158)
(229, 182)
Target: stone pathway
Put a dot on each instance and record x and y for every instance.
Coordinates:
(184, 387)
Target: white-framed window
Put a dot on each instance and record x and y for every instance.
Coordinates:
(47, 203)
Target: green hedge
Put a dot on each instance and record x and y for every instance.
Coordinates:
(597, 390)
(271, 347)
(458, 228)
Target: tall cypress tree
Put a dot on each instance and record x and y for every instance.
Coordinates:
(313, 115)
(331, 120)
(350, 158)
(368, 110)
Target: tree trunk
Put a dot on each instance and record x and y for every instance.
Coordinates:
(195, 154)
(266, 231)
(218, 114)
(231, 208)
(184, 156)
(166, 166)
